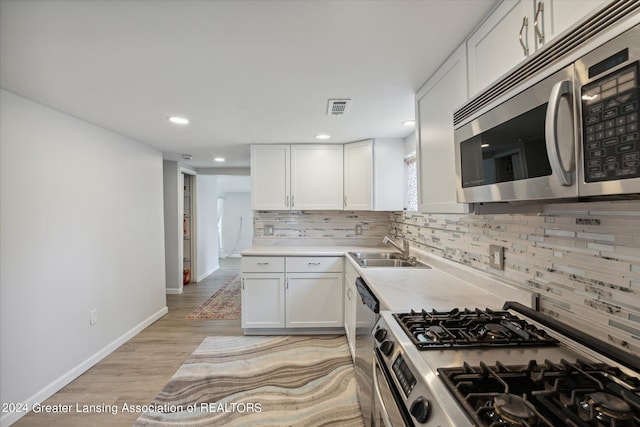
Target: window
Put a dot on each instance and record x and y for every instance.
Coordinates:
(411, 196)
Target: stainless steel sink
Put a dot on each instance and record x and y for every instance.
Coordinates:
(376, 255)
(385, 259)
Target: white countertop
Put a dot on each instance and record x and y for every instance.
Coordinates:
(445, 286)
(284, 250)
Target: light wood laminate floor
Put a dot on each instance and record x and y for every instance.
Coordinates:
(137, 371)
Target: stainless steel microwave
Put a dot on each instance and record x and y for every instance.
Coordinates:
(571, 134)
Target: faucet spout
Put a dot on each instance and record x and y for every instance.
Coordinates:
(404, 249)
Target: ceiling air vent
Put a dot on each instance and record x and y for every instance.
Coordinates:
(337, 107)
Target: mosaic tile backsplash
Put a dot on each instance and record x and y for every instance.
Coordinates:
(320, 227)
(583, 259)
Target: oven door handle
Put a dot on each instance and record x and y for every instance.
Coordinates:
(378, 395)
(559, 90)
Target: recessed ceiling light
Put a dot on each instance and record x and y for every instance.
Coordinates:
(219, 159)
(187, 156)
(323, 136)
(178, 120)
(484, 145)
(409, 123)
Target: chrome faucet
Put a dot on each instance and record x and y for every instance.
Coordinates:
(404, 249)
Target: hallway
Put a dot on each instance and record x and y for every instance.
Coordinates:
(137, 371)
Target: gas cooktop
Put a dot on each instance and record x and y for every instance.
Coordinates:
(470, 328)
(549, 394)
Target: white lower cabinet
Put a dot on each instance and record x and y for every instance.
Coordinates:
(263, 300)
(351, 299)
(313, 300)
(304, 292)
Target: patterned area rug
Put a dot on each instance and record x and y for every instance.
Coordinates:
(223, 305)
(261, 381)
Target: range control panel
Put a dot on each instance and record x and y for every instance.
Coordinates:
(611, 145)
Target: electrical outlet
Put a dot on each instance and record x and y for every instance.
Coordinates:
(93, 316)
(358, 230)
(268, 230)
(496, 257)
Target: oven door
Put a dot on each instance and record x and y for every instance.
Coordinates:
(523, 149)
(387, 410)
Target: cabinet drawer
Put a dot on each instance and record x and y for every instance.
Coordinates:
(314, 264)
(266, 264)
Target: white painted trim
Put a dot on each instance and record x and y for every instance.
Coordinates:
(206, 273)
(174, 291)
(9, 418)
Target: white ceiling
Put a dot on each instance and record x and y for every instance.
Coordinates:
(243, 71)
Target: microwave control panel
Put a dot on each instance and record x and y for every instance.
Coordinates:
(611, 145)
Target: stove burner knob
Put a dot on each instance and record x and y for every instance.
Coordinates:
(380, 334)
(386, 347)
(420, 409)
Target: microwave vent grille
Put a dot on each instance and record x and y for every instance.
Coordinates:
(554, 52)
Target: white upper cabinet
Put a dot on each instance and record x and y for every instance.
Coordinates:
(358, 176)
(495, 47)
(374, 175)
(296, 177)
(436, 101)
(270, 177)
(316, 177)
(515, 30)
(366, 175)
(563, 14)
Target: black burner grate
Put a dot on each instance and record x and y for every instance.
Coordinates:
(470, 328)
(579, 394)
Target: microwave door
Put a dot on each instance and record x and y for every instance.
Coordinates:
(523, 149)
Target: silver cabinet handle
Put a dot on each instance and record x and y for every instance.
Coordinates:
(560, 89)
(286, 201)
(345, 201)
(313, 263)
(292, 198)
(349, 293)
(263, 263)
(525, 25)
(287, 284)
(243, 283)
(538, 23)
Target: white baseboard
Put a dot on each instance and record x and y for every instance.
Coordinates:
(204, 275)
(174, 291)
(9, 418)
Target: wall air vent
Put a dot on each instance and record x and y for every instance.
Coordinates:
(338, 107)
(552, 54)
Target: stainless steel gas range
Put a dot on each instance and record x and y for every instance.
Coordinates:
(500, 368)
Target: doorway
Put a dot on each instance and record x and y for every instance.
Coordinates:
(235, 217)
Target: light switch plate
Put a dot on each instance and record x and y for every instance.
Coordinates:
(358, 230)
(496, 257)
(268, 230)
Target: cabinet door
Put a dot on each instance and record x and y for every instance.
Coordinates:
(558, 15)
(314, 300)
(358, 176)
(494, 48)
(270, 179)
(263, 300)
(316, 177)
(351, 298)
(436, 102)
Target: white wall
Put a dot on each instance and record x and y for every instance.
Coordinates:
(81, 220)
(207, 229)
(236, 206)
(172, 225)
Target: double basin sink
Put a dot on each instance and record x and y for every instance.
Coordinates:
(386, 259)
